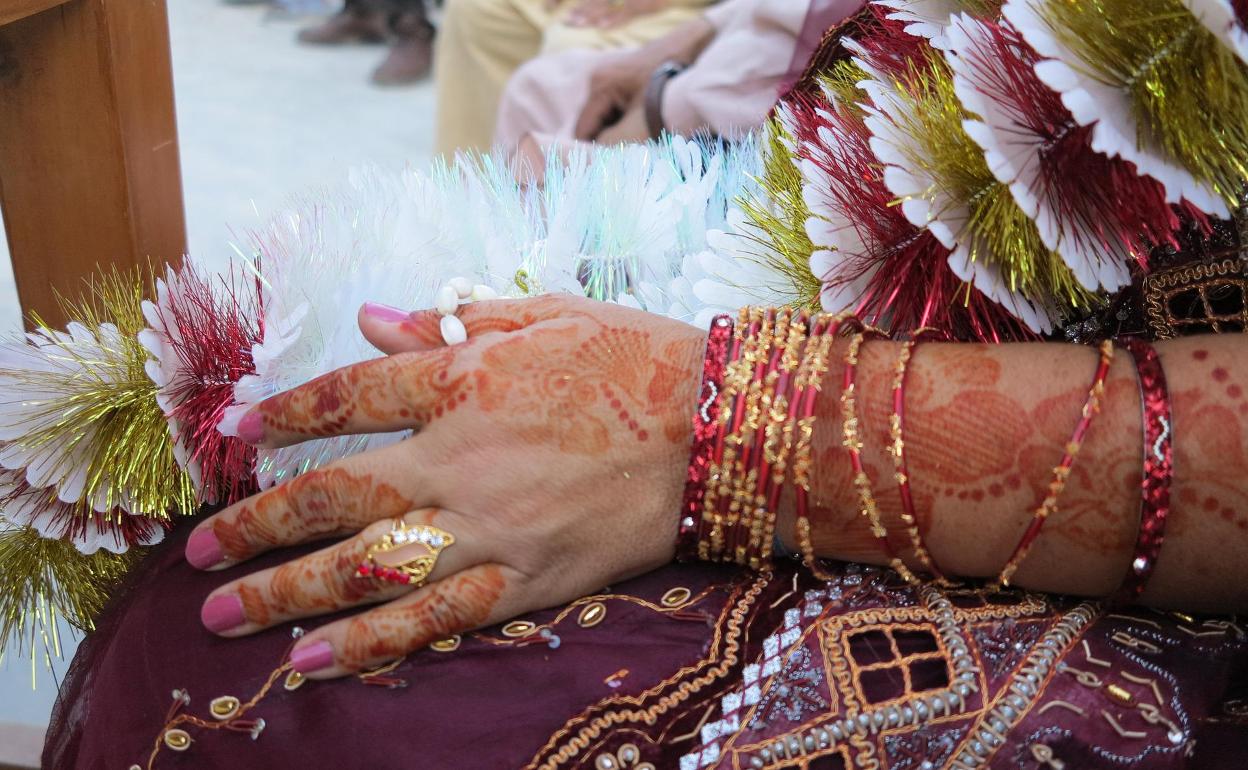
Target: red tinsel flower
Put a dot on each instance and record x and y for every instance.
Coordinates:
(1102, 204)
(212, 332)
(116, 531)
(888, 271)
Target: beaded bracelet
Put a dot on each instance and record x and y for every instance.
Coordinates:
(897, 427)
(1061, 472)
(1158, 467)
(705, 425)
(853, 442)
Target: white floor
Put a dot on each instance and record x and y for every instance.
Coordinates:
(259, 118)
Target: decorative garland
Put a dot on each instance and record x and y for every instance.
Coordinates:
(990, 172)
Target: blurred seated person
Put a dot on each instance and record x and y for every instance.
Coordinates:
(720, 72)
(405, 23)
(482, 42)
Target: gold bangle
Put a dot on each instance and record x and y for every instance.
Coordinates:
(901, 472)
(853, 442)
(809, 382)
(1061, 472)
(743, 477)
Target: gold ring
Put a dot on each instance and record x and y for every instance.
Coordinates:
(406, 554)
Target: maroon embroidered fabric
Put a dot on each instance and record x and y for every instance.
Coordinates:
(862, 669)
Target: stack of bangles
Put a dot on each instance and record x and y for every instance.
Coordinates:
(754, 428)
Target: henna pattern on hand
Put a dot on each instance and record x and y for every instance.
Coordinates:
(458, 603)
(576, 391)
(415, 387)
(316, 504)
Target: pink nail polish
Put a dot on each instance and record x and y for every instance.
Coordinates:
(203, 550)
(385, 312)
(222, 613)
(251, 428)
(312, 657)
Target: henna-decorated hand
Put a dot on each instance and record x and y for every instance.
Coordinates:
(552, 445)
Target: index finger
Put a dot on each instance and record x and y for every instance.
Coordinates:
(406, 391)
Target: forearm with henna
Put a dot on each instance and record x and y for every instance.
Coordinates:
(985, 426)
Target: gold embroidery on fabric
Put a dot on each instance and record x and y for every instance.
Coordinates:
(847, 732)
(1014, 702)
(686, 600)
(728, 634)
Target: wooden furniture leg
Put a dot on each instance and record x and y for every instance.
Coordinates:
(89, 170)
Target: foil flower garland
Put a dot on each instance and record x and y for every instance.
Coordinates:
(1097, 212)
(199, 335)
(953, 174)
(870, 257)
(943, 181)
(80, 415)
(1161, 91)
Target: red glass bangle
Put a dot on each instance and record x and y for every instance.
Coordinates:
(1091, 406)
(1158, 468)
(706, 428)
(732, 413)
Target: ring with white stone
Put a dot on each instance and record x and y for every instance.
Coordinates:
(405, 555)
(458, 291)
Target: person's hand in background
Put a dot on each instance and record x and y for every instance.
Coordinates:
(617, 86)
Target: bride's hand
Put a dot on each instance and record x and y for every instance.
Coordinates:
(552, 445)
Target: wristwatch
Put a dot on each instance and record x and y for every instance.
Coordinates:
(654, 95)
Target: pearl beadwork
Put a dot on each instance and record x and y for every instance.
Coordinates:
(461, 286)
(447, 301)
(453, 330)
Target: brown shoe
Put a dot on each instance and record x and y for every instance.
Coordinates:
(350, 25)
(411, 56)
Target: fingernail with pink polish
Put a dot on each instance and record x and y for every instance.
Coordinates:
(312, 657)
(385, 312)
(203, 550)
(222, 613)
(251, 428)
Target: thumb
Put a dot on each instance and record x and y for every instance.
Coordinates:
(594, 114)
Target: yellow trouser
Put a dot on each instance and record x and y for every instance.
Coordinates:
(481, 42)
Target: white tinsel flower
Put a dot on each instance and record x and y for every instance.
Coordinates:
(39, 438)
(721, 279)
(380, 240)
(1219, 17)
(598, 225)
(928, 19)
(1107, 109)
(926, 204)
(1015, 157)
